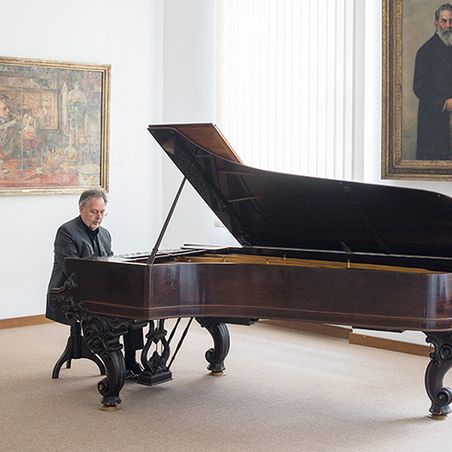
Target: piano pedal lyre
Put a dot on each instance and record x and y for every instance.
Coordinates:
(156, 370)
(148, 378)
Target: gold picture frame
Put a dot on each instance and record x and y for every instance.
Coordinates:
(407, 26)
(54, 126)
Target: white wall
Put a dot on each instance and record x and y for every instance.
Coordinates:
(162, 54)
(189, 96)
(127, 35)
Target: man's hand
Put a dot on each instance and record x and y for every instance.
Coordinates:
(448, 104)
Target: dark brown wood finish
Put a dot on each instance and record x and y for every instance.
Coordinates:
(318, 250)
(215, 290)
(209, 137)
(347, 296)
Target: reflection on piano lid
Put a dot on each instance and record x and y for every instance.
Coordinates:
(269, 209)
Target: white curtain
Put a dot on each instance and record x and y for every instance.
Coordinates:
(285, 84)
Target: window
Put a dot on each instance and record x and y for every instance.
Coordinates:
(285, 81)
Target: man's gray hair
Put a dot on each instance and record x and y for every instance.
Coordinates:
(93, 193)
(445, 7)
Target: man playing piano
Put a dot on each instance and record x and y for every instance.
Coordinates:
(85, 237)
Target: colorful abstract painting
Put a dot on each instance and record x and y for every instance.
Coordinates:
(53, 126)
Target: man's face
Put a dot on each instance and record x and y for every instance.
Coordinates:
(93, 213)
(444, 21)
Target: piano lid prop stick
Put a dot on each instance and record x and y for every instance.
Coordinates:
(151, 258)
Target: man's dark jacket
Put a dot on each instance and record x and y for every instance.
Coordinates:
(433, 85)
(73, 240)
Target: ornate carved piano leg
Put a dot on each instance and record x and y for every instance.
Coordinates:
(155, 368)
(102, 336)
(220, 334)
(441, 362)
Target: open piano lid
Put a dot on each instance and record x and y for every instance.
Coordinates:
(269, 209)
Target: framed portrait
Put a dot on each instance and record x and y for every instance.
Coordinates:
(417, 90)
(53, 126)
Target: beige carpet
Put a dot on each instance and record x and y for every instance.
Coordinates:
(283, 391)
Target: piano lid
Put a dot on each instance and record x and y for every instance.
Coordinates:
(269, 209)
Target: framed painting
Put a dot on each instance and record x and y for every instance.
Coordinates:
(417, 90)
(53, 126)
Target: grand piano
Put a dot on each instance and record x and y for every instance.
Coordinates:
(312, 249)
